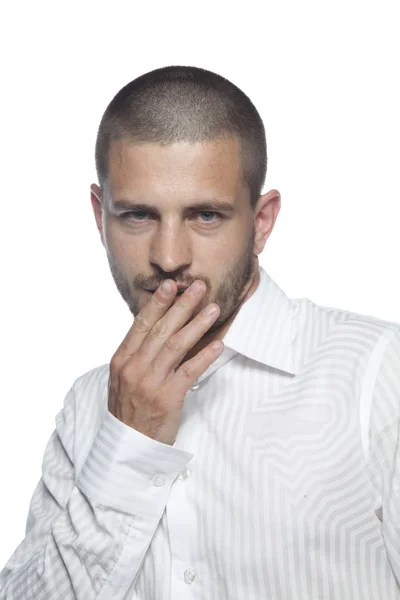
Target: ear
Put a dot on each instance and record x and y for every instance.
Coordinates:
(265, 215)
(95, 198)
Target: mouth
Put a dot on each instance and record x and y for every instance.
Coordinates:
(179, 292)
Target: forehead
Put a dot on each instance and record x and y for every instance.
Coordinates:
(181, 167)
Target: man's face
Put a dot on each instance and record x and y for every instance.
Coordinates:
(173, 239)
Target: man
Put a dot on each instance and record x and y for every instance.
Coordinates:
(266, 466)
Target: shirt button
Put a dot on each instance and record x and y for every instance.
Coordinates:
(195, 386)
(189, 576)
(158, 480)
(184, 474)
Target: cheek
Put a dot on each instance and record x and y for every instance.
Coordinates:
(216, 248)
(225, 251)
(123, 248)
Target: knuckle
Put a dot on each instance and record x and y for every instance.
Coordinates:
(125, 375)
(159, 301)
(173, 344)
(141, 323)
(183, 304)
(115, 364)
(187, 370)
(129, 373)
(159, 329)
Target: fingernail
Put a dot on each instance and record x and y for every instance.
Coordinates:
(196, 287)
(166, 287)
(211, 309)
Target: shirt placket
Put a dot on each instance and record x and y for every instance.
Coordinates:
(186, 570)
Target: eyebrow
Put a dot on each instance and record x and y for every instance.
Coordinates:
(213, 205)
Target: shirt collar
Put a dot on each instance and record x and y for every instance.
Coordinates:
(263, 329)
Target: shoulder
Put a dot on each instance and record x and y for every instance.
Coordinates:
(354, 329)
(335, 338)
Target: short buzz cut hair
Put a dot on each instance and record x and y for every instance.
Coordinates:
(185, 104)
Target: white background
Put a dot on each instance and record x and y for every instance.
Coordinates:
(325, 79)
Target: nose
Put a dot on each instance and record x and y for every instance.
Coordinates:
(170, 248)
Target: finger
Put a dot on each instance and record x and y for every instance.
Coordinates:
(170, 323)
(157, 306)
(191, 370)
(177, 346)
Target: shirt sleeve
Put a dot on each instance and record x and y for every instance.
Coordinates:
(87, 533)
(384, 461)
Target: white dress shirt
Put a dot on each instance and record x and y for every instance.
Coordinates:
(283, 482)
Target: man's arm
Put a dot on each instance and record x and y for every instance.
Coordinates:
(89, 527)
(87, 533)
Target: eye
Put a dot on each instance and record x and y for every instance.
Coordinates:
(136, 214)
(139, 216)
(209, 212)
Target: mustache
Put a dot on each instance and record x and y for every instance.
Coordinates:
(154, 286)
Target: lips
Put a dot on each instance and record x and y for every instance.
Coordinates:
(179, 293)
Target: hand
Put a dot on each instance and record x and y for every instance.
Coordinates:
(144, 390)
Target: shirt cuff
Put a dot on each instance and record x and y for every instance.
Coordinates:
(129, 471)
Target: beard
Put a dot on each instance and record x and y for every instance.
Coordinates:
(229, 294)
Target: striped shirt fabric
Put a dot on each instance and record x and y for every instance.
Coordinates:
(283, 482)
